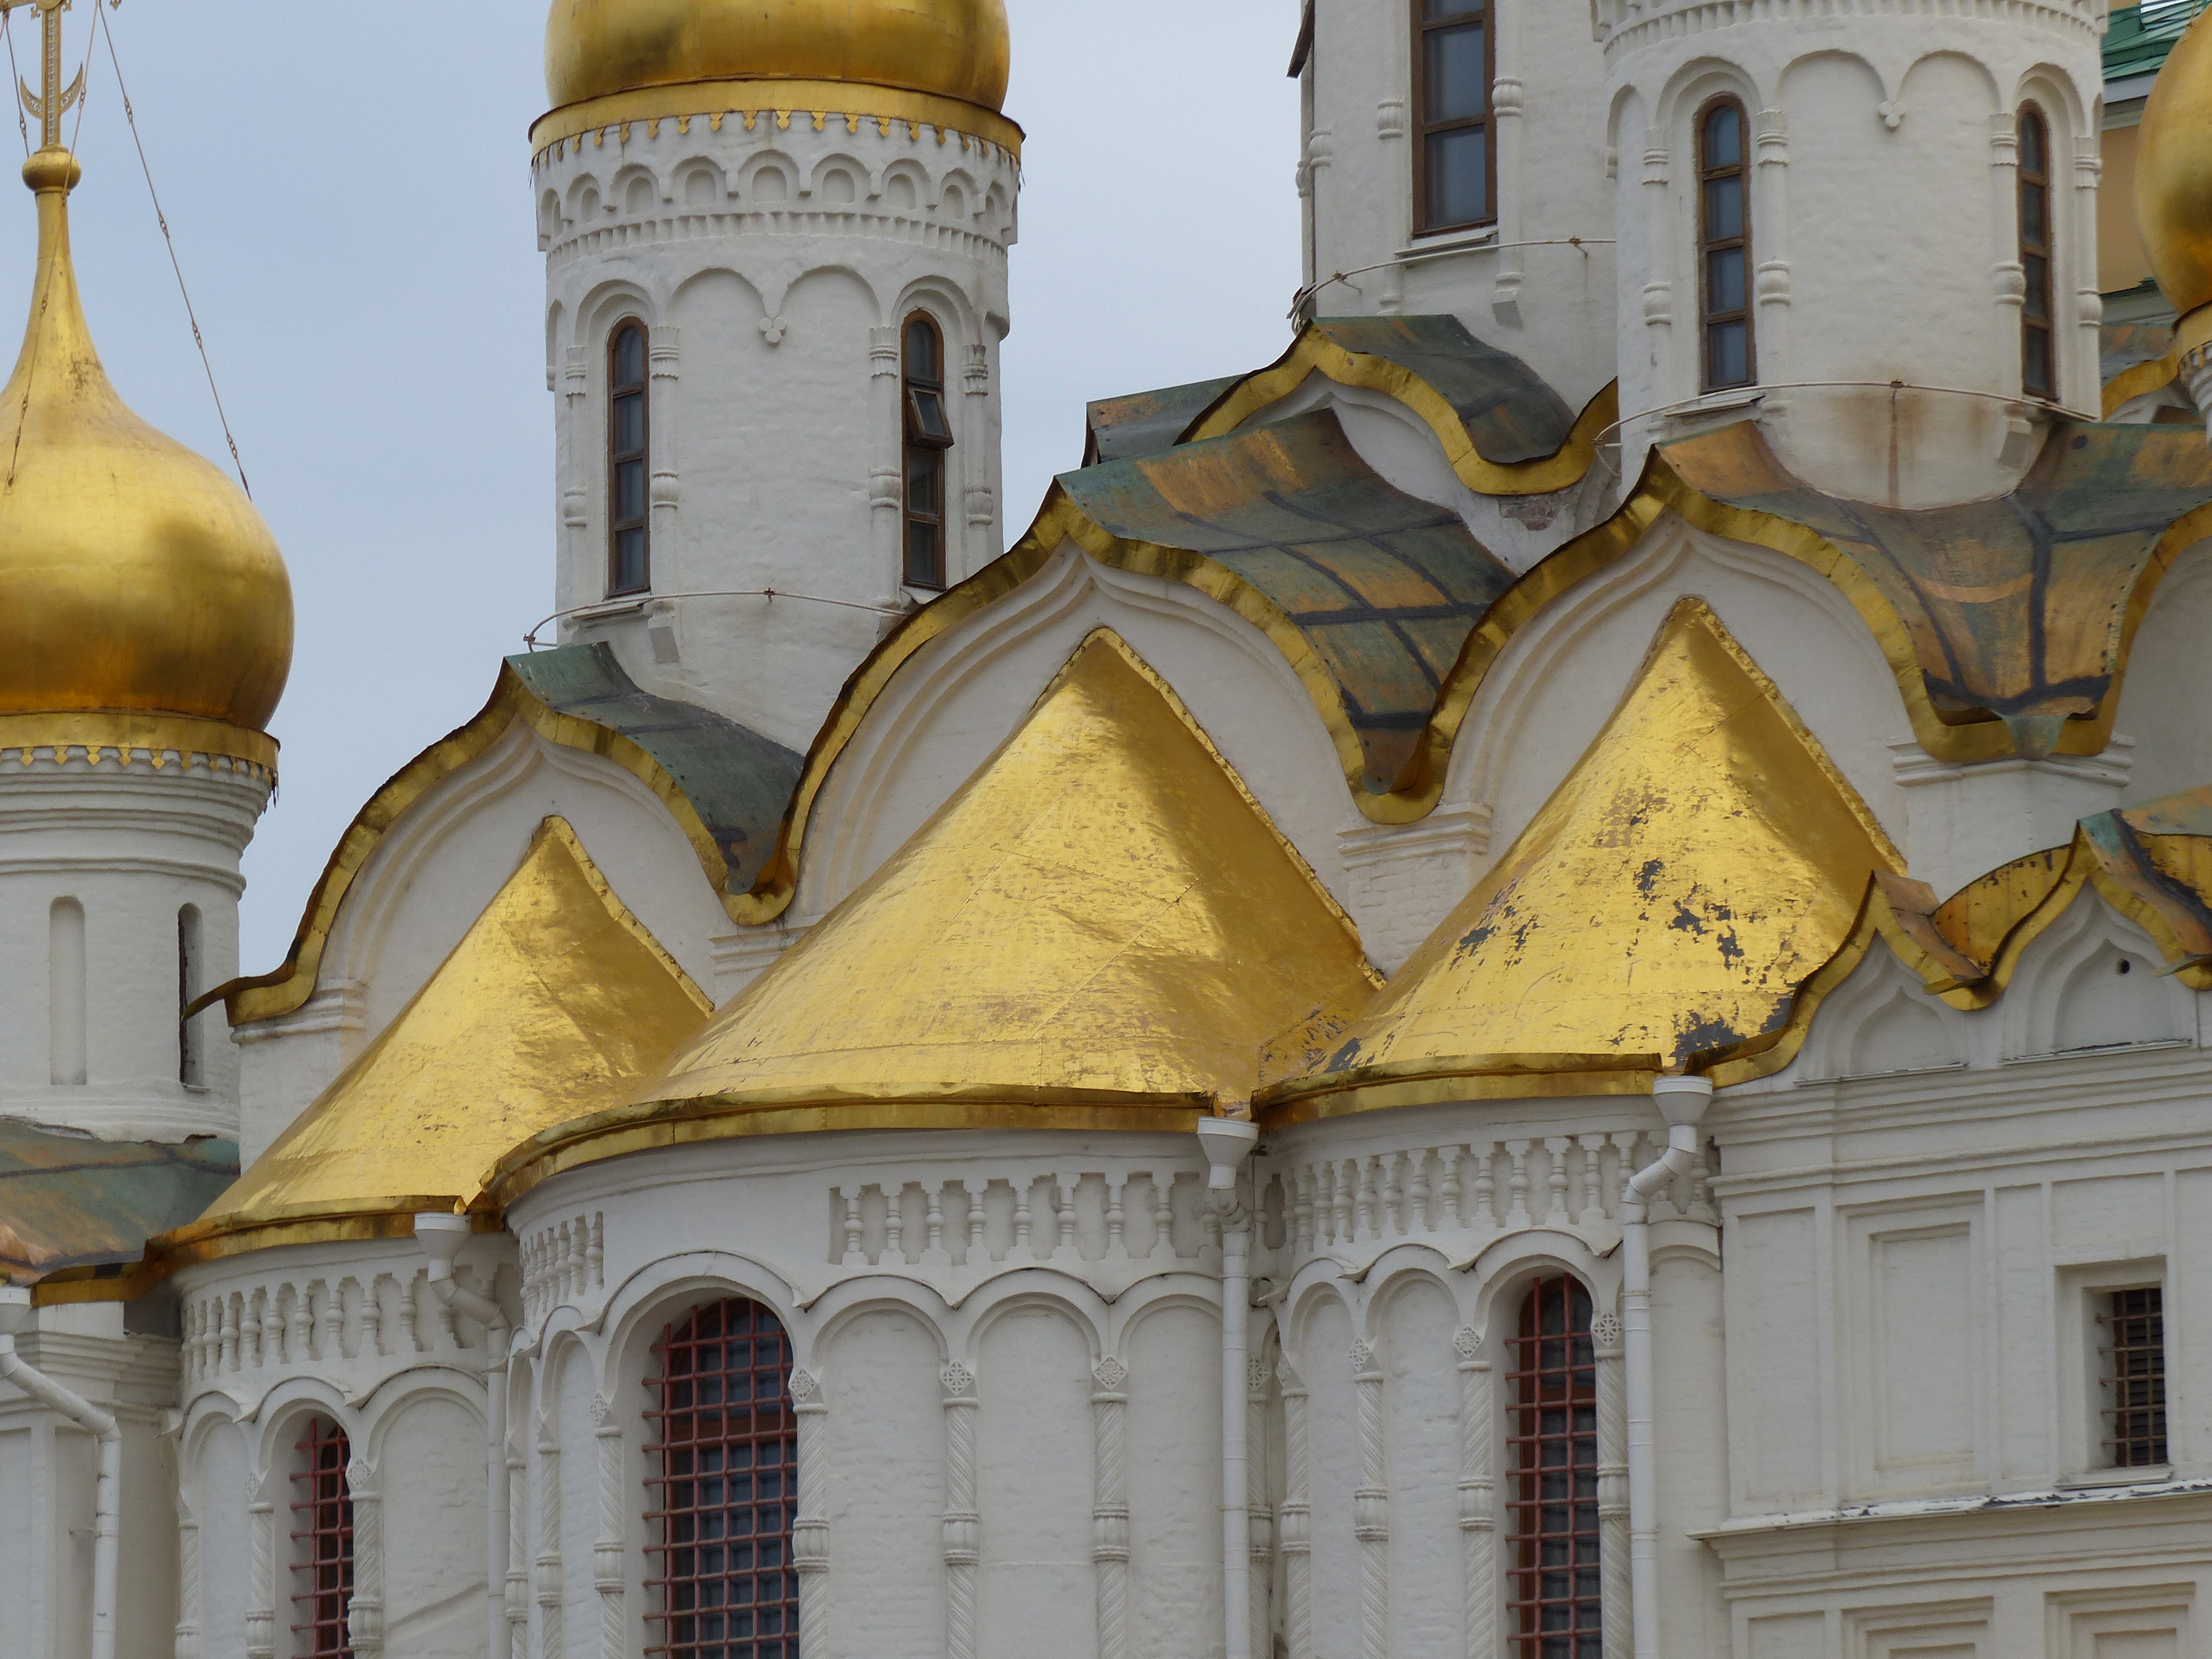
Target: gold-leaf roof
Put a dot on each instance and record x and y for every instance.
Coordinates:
(1100, 930)
(554, 1004)
(1702, 861)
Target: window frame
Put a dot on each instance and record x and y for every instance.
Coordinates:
(2047, 252)
(1526, 1601)
(324, 1459)
(1709, 245)
(642, 457)
(1423, 129)
(2115, 1444)
(919, 446)
(677, 1429)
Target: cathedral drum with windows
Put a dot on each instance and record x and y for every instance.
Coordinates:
(1530, 984)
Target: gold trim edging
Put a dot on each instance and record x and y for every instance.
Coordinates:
(127, 730)
(819, 101)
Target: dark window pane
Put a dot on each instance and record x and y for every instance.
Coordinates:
(924, 470)
(2034, 155)
(629, 357)
(1724, 208)
(1458, 176)
(1724, 287)
(629, 423)
(2035, 216)
(1729, 354)
(1458, 80)
(2038, 272)
(1724, 138)
(630, 560)
(921, 353)
(922, 562)
(1439, 11)
(927, 418)
(2035, 364)
(630, 491)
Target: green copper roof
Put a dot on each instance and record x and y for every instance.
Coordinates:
(2137, 40)
(1145, 422)
(736, 779)
(69, 1200)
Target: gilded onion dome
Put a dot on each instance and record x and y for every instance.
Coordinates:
(137, 583)
(955, 49)
(2173, 183)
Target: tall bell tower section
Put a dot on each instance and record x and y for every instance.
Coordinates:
(775, 245)
(1872, 227)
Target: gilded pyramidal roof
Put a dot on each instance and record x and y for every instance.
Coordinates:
(1100, 930)
(1701, 861)
(553, 1002)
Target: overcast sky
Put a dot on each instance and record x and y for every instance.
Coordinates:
(348, 190)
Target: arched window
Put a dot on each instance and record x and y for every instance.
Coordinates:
(1552, 1457)
(2038, 376)
(1724, 247)
(928, 435)
(726, 1449)
(322, 1543)
(630, 509)
(66, 1025)
(1454, 165)
(190, 1063)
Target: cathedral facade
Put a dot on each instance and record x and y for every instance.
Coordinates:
(1532, 984)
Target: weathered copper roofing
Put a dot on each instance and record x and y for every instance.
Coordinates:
(553, 1005)
(736, 781)
(1504, 431)
(1101, 930)
(1701, 862)
(1382, 588)
(71, 1205)
(2016, 609)
(1145, 422)
(726, 787)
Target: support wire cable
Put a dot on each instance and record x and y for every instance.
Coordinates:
(99, 14)
(15, 77)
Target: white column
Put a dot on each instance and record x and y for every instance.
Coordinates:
(810, 1527)
(1261, 1525)
(2080, 385)
(1772, 282)
(365, 1614)
(2008, 280)
(1607, 1337)
(552, 1639)
(1478, 1495)
(1372, 1509)
(962, 1525)
(188, 1578)
(1109, 1514)
(1508, 101)
(887, 480)
(608, 1554)
(1296, 1530)
(261, 1612)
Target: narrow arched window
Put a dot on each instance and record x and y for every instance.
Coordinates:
(1552, 1455)
(629, 421)
(1724, 247)
(65, 992)
(726, 1448)
(928, 436)
(1455, 167)
(322, 1543)
(2038, 376)
(192, 1067)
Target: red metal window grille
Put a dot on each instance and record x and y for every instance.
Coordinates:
(728, 1450)
(1551, 1453)
(322, 1543)
(2133, 1327)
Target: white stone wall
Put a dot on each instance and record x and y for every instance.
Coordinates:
(1884, 231)
(774, 258)
(130, 847)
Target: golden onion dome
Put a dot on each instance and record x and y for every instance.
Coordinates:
(135, 577)
(2174, 173)
(949, 48)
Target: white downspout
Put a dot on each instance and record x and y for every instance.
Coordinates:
(15, 1314)
(1227, 1142)
(1683, 1101)
(442, 1237)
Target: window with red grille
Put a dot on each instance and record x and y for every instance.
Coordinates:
(322, 1543)
(1551, 1482)
(2133, 1327)
(726, 1450)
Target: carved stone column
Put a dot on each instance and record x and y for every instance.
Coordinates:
(1478, 1494)
(607, 1551)
(810, 1527)
(261, 1612)
(1109, 1512)
(1296, 1530)
(962, 1525)
(1370, 1509)
(518, 1553)
(1613, 1546)
(188, 1579)
(552, 1639)
(365, 1614)
(1261, 1513)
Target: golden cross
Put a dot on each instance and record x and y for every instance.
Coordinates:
(50, 102)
